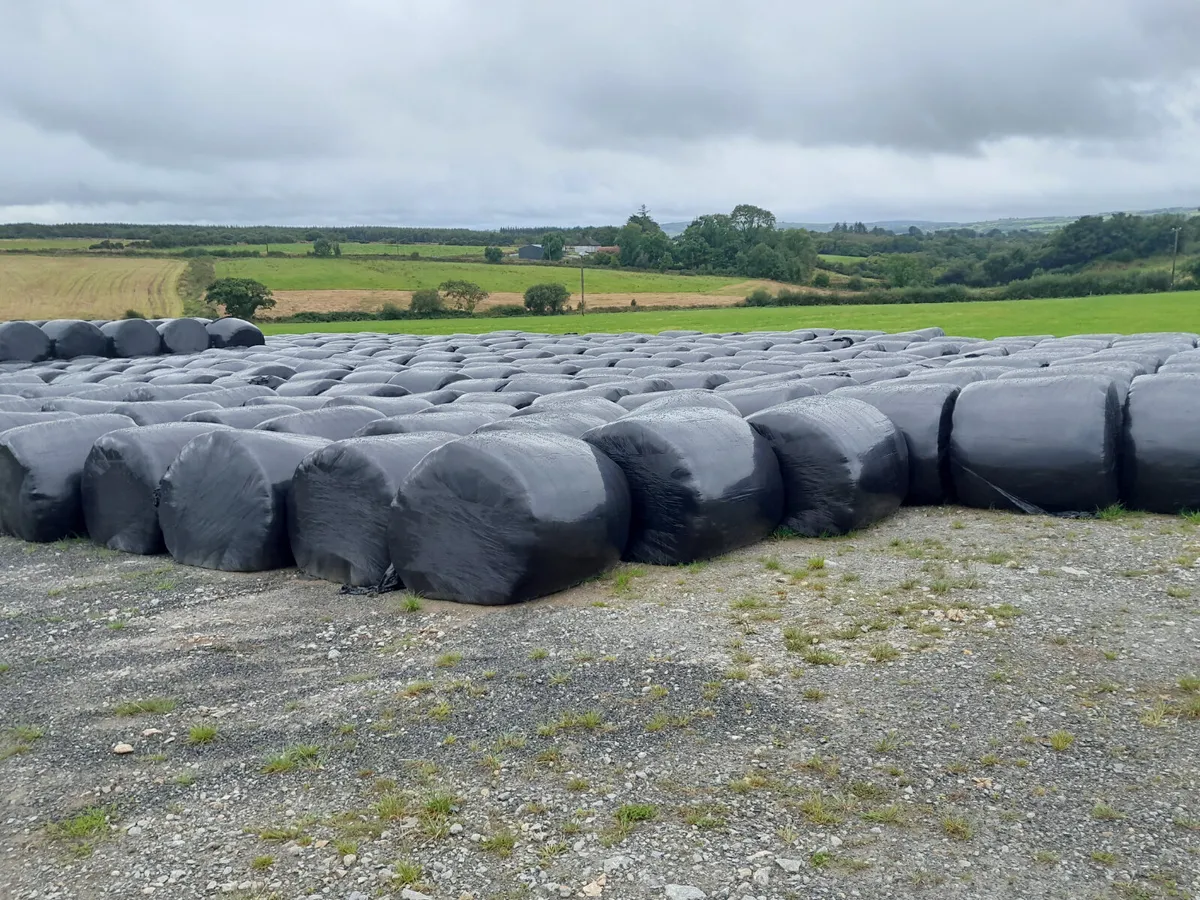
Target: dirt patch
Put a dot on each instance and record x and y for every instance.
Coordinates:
(954, 703)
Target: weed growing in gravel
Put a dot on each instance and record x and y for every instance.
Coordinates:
(185, 779)
(704, 816)
(202, 733)
(1061, 740)
(1105, 813)
(771, 563)
(448, 660)
(157, 706)
(815, 563)
(1104, 857)
(623, 580)
(82, 831)
(416, 688)
(19, 739)
(990, 759)
(410, 603)
(957, 827)
(1190, 684)
(815, 809)
(570, 720)
(1155, 716)
(1046, 857)
(892, 814)
(406, 872)
(814, 695)
(1112, 513)
(262, 863)
(1190, 708)
(883, 653)
(1178, 592)
(539, 653)
(797, 639)
(817, 656)
(298, 756)
(5, 667)
(440, 711)
(998, 557)
(501, 843)
(888, 743)
(511, 741)
(632, 813)
(577, 783)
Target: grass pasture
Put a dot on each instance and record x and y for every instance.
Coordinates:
(427, 251)
(1126, 313)
(46, 244)
(843, 260)
(404, 275)
(49, 287)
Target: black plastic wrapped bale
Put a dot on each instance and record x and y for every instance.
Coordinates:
(570, 402)
(23, 342)
(72, 337)
(1160, 459)
(158, 412)
(234, 396)
(456, 421)
(923, 413)
(222, 503)
(184, 335)
(844, 464)
(702, 482)
(572, 424)
(333, 422)
(120, 480)
(17, 418)
(231, 332)
(297, 402)
(341, 499)
(311, 388)
(418, 380)
(750, 400)
(504, 518)
(688, 397)
(241, 416)
(131, 337)
(40, 467)
(342, 389)
(1037, 444)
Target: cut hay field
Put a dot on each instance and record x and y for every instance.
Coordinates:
(45, 243)
(404, 275)
(49, 287)
(1129, 313)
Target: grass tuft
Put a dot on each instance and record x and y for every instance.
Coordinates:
(157, 706)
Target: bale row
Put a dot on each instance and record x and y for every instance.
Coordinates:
(122, 339)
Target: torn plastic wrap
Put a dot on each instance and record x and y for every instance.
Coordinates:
(1037, 444)
(333, 422)
(503, 518)
(701, 482)
(844, 464)
(1160, 458)
(923, 413)
(340, 502)
(40, 468)
(223, 501)
(119, 486)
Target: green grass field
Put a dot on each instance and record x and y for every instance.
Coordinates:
(401, 275)
(434, 251)
(45, 243)
(844, 260)
(1119, 313)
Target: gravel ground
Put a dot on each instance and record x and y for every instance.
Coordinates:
(955, 703)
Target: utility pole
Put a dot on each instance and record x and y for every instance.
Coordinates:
(1174, 256)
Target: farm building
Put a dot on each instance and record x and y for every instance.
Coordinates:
(531, 251)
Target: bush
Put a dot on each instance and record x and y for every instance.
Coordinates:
(493, 254)
(546, 299)
(505, 309)
(425, 303)
(855, 283)
(132, 314)
(760, 297)
(390, 312)
(1085, 284)
(821, 280)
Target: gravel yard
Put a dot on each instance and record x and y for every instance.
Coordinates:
(953, 704)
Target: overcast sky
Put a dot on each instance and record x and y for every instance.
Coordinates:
(466, 112)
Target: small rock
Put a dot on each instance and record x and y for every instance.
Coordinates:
(410, 894)
(349, 859)
(133, 830)
(684, 892)
(835, 841)
(456, 828)
(122, 748)
(616, 864)
(358, 895)
(762, 877)
(791, 866)
(334, 654)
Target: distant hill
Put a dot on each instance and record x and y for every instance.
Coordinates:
(1038, 224)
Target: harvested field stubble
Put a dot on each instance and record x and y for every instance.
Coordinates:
(660, 725)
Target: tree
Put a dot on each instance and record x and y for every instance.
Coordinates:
(820, 280)
(241, 297)
(464, 295)
(751, 221)
(493, 254)
(426, 302)
(322, 246)
(546, 299)
(904, 270)
(552, 246)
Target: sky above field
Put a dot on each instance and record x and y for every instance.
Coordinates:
(485, 114)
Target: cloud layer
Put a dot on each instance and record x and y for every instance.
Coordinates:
(463, 113)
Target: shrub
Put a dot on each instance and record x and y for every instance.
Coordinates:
(546, 299)
(132, 314)
(493, 254)
(425, 303)
(821, 280)
(855, 283)
(390, 312)
(760, 297)
(505, 309)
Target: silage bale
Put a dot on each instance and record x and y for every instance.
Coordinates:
(389, 406)
(223, 501)
(40, 468)
(17, 418)
(231, 332)
(1160, 445)
(241, 416)
(71, 338)
(572, 424)
(25, 342)
(233, 396)
(690, 397)
(131, 337)
(457, 421)
(701, 482)
(158, 412)
(844, 464)
(119, 485)
(750, 400)
(504, 518)
(185, 335)
(341, 499)
(333, 422)
(1037, 444)
(923, 413)
(297, 402)
(571, 402)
